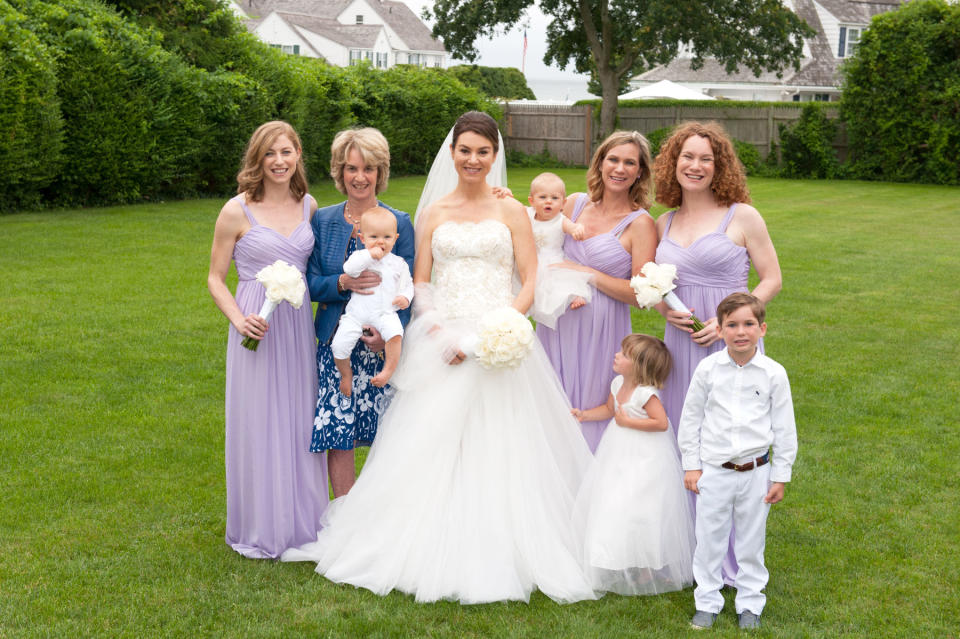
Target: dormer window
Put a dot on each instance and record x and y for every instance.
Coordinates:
(359, 19)
(849, 39)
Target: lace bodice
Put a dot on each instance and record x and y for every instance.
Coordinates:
(548, 237)
(472, 268)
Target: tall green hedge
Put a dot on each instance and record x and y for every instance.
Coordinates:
(30, 120)
(95, 111)
(901, 99)
(507, 83)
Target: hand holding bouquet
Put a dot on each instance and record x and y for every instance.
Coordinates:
(284, 283)
(504, 338)
(655, 283)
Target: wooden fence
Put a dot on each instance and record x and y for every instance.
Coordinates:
(569, 133)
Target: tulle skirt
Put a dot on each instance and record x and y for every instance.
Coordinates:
(632, 515)
(556, 288)
(468, 491)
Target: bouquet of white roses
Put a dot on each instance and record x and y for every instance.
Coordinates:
(284, 283)
(504, 338)
(655, 283)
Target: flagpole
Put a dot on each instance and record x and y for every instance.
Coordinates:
(523, 60)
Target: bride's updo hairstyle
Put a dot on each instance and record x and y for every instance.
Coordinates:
(642, 187)
(479, 123)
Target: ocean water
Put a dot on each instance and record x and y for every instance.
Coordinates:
(560, 89)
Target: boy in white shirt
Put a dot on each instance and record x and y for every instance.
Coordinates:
(378, 231)
(737, 407)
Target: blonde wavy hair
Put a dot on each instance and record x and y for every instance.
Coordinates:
(250, 177)
(650, 357)
(641, 188)
(729, 183)
(373, 147)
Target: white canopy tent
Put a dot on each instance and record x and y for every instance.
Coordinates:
(665, 89)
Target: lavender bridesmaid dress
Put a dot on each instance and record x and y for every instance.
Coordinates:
(276, 489)
(582, 346)
(708, 270)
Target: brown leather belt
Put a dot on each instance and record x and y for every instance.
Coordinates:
(750, 465)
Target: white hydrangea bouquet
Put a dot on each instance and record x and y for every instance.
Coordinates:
(284, 283)
(504, 338)
(655, 283)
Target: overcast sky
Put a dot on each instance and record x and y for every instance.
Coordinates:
(506, 50)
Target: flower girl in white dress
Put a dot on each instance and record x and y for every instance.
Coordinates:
(631, 512)
(557, 288)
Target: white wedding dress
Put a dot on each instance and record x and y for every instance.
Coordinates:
(468, 490)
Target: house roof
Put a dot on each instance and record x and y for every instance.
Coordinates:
(397, 15)
(857, 11)
(349, 35)
(407, 25)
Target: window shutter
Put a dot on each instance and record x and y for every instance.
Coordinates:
(843, 42)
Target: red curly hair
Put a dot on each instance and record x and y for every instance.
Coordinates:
(729, 183)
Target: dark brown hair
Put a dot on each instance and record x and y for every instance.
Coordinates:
(250, 177)
(650, 357)
(738, 300)
(641, 188)
(729, 183)
(479, 123)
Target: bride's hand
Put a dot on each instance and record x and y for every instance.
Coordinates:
(454, 356)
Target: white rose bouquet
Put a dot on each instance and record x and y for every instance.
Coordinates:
(504, 338)
(655, 283)
(284, 283)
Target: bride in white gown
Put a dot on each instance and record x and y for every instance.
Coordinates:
(468, 489)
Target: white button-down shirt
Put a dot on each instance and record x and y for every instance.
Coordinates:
(735, 412)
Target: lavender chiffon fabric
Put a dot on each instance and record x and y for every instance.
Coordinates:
(276, 489)
(707, 271)
(582, 346)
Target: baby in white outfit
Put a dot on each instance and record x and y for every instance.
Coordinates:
(378, 232)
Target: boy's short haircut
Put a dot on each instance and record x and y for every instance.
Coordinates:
(542, 180)
(738, 300)
(378, 213)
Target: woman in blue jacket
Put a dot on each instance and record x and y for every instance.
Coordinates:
(360, 167)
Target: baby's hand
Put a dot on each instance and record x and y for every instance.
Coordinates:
(401, 302)
(501, 192)
(577, 232)
(577, 302)
(577, 414)
(377, 252)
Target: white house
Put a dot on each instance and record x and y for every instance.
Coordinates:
(838, 24)
(344, 32)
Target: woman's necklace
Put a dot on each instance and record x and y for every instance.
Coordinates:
(350, 218)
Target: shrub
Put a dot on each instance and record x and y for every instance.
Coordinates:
(749, 157)
(657, 137)
(518, 159)
(807, 145)
(30, 118)
(507, 83)
(901, 98)
(414, 108)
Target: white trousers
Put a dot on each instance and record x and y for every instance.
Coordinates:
(350, 329)
(726, 498)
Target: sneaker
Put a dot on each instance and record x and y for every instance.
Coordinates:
(748, 620)
(703, 620)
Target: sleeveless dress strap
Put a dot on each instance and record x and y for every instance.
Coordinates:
(246, 210)
(306, 207)
(578, 206)
(726, 219)
(625, 222)
(666, 230)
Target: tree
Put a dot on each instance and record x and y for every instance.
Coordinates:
(619, 39)
(901, 95)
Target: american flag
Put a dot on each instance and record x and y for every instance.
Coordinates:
(523, 63)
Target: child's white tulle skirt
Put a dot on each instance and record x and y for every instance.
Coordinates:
(556, 288)
(633, 515)
(468, 491)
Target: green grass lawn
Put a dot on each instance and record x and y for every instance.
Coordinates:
(111, 435)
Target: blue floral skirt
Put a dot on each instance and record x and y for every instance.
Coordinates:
(334, 427)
